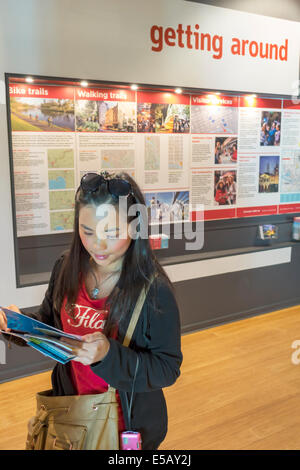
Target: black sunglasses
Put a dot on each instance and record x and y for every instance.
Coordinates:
(91, 182)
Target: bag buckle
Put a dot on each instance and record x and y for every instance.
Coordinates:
(70, 445)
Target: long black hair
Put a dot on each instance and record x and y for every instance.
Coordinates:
(139, 264)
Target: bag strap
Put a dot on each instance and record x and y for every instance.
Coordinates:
(136, 313)
(134, 318)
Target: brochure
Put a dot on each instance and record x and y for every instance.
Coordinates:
(40, 336)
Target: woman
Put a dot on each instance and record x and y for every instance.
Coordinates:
(92, 292)
(221, 196)
(234, 154)
(218, 151)
(231, 189)
(277, 135)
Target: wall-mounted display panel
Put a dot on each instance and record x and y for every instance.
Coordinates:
(237, 156)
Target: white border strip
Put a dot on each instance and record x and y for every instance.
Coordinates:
(2, 92)
(228, 264)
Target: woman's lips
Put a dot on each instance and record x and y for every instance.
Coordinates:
(101, 257)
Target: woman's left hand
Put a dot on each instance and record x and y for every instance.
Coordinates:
(93, 348)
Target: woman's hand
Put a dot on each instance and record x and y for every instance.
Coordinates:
(3, 319)
(94, 348)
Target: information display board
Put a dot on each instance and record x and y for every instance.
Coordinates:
(239, 156)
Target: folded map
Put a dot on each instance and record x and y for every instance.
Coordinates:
(40, 336)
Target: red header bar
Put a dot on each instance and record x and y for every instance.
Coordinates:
(162, 98)
(288, 104)
(41, 91)
(289, 208)
(252, 102)
(214, 214)
(256, 211)
(214, 100)
(97, 94)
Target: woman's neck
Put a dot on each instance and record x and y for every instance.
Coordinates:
(103, 271)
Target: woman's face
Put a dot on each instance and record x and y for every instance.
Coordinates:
(103, 236)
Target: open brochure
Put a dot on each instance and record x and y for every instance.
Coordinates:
(46, 339)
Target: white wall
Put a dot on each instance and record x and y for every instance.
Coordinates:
(62, 38)
(286, 9)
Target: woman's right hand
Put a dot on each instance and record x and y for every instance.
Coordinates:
(3, 319)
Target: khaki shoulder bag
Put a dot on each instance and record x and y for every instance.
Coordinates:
(80, 422)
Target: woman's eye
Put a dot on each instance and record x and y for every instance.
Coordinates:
(86, 233)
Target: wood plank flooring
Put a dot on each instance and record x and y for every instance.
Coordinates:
(238, 389)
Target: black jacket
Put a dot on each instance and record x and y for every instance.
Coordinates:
(156, 340)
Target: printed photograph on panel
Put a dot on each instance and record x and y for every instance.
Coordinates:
(167, 206)
(270, 128)
(225, 188)
(163, 118)
(226, 150)
(268, 174)
(105, 116)
(42, 114)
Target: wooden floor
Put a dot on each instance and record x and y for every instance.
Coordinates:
(239, 389)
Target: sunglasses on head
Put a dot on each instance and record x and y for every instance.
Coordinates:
(91, 182)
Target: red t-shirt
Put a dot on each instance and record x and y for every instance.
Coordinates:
(90, 316)
(221, 197)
